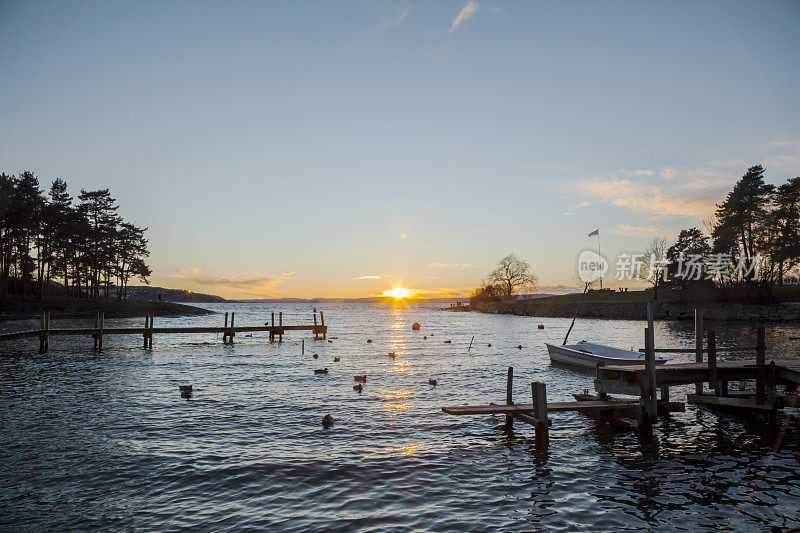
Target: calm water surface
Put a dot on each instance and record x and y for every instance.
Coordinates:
(105, 442)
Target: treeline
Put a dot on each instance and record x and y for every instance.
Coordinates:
(751, 243)
(51, 243)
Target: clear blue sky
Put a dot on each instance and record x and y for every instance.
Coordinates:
(286, 148)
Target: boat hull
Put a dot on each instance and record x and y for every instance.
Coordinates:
(561, 355)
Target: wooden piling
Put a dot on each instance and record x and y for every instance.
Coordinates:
(712, 362)
(96, 329)
(698, 344)
(761, 355)
(650, 362)
(303, 346)
(272, 331)
(316, 335)
(648, 402)
(100, 331)
(509, 400)
(539, 397)
(144, 332)
(231, 332)
(322, 320)
(150, 333)
(280, 325)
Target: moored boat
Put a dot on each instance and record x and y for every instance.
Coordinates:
(586, 355)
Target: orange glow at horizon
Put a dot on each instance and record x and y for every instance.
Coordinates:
(399, 292)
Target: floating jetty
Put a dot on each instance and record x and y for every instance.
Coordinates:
(229, 331)
(775, 386)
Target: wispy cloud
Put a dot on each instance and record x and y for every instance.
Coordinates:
(389, 16)
(254, 283)
(572, 208)
(466, 13)
(629, 229)
(368, 277)
(452, 265)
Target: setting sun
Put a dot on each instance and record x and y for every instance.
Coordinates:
(399, 292)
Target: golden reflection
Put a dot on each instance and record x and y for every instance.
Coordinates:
(408, 449)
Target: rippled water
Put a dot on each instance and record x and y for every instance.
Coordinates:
(106, 442)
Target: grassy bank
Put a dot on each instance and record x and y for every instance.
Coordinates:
(63, 307)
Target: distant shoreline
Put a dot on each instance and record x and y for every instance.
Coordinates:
(17, 308)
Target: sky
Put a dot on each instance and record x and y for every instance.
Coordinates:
(338, 149)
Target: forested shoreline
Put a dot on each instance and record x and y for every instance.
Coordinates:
(52, 244)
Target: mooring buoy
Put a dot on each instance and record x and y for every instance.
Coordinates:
(327, 421)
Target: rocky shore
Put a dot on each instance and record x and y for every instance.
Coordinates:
(785, 312)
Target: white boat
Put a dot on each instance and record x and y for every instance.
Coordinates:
(586, 355)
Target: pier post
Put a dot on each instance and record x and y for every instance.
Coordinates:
(100, 331)
(47, 333)
(150, 333)
(761, 360)
(648, 402)
(316, 335)
(322, 319)
(272, 331)
(539, 397)
(698, 344)
(712, 362)
(303, 346)
(231, 333)
(509, 401)
(96, 329)
(41, 332)
(144, 331)
(280, 325)
(225, 332)
(650, 362)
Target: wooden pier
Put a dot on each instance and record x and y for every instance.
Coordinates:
(775, 385)
(99, 331)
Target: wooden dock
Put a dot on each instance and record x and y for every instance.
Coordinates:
(775, 385)
(99, 331)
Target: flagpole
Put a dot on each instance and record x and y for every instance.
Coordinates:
(598, 253)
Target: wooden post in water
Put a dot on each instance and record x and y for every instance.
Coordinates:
(280, 325)
(272, 331)
(96, 329)
(41, 334)
(761, 360)
(712, 362)
(316, 335)
(144, 331)
(698, 344)
(47, 333)
(539, 396)
(648, 402)
(509, 401)
(322, 319)
(231, 333)
(650, 362)
(225, 331)
(102, 325)
(303, 346)
(150, 334)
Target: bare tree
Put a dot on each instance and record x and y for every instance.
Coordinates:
(654, 264)
(512, 273)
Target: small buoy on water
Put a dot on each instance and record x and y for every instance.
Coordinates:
(336, 359)
(327, 421)
(321, 371)
(391, 354)
(362, 379)
(541, 326)
(425, 337)
(330, 340)
(432, 382)
(519, 347)
(369, 341)
(448, 342)
(415, 326)
(358, 387)
(431, 334)
(186, 391)
(315, 356)
(489, 345)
